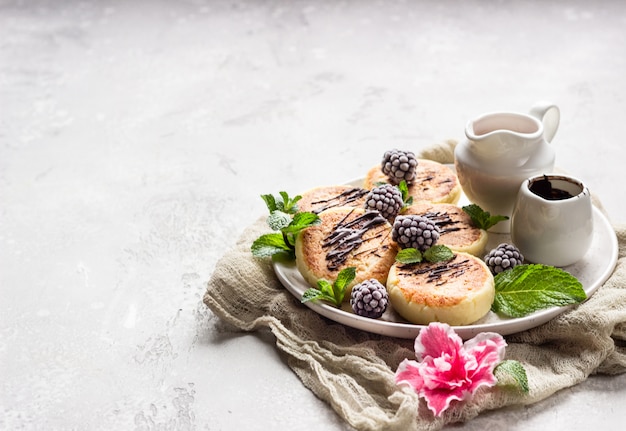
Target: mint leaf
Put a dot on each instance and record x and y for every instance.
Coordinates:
(438, 253)
(407, 200)
(344, 278)
(313, 294)
(270, 202)
(325, 287)
(333, 293)
(269, 245)
(278, 220)
(301, 221)
(288, 205)
(509, 370)
(409, 255)
(482, 219)
(528, 288)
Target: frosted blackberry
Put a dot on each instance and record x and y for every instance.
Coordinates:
(399, 165)
(369, 299)
(415, 231)
(386, 199)
(503, 257)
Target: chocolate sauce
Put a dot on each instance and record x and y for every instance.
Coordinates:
(435, 274)
(347, 236)
(341, 199)
(544, 189)
(443, 221)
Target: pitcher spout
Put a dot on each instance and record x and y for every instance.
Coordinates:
(504, 136)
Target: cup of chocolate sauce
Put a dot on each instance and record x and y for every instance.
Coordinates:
(552, 220)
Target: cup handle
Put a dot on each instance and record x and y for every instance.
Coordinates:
(550, 115)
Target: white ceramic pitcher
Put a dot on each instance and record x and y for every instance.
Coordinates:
(503, 149)
(552, 220)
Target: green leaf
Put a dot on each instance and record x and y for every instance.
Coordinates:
(333, 293)
(284, 199)
(344, 278)
(409, 255)
(289, 205)
(438, 253)
(313, 294)
(269, 244)
(407, 200)
(301, 221)
(482, 219)
(270, 202)
(278, 220)
(528, 288)
(326, 288)
(512, 373)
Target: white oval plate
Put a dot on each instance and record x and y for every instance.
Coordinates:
(592, 271)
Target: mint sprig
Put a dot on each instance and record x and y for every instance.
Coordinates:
(331, 292)
(528, 288)
(512, 373)
(436, 253)
(482, 219)
(285, 203)
(284, 218)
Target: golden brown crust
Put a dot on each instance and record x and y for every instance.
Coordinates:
(367, 245)
(434, 182)
(322, 198)
(458, 292)
(455, 227)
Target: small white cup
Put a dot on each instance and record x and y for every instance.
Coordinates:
(552, 220)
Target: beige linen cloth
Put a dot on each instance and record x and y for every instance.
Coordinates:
(353, 371)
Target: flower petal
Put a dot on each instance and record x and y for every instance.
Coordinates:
(444, 371)
(484, 344)
(488, 350)
(408, 372)
(436, 340)
(438, 401)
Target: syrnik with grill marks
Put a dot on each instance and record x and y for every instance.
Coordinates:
(443, 221)
(347, 236)
(342, 199)
(436, 273)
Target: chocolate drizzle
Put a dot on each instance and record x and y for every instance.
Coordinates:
(347, 197)
(443, 221)
(347, 236)
(435, 273)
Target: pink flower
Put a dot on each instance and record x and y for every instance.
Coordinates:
(446, 369)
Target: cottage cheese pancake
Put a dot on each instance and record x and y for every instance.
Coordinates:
(322, 198)
(434, 182)
(346, 237)
(457, 292)
(456, 230)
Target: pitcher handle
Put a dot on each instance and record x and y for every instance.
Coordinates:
(550, 115)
